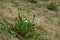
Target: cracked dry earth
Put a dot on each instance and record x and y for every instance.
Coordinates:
(45, 19)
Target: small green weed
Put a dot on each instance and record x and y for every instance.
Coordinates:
(4, 26)
(25, 28)
(53, 6)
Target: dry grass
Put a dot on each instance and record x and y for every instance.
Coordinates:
(45, 19)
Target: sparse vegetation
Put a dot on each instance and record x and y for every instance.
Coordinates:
(53, 6)
(4, 26)
(30, 7)
(30, 19)
(24, 28)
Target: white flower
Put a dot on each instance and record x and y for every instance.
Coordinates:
(26, 21)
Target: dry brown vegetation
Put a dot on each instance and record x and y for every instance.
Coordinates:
(45, 19)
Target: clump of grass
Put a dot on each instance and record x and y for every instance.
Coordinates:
(53, 6)
(25, 28)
